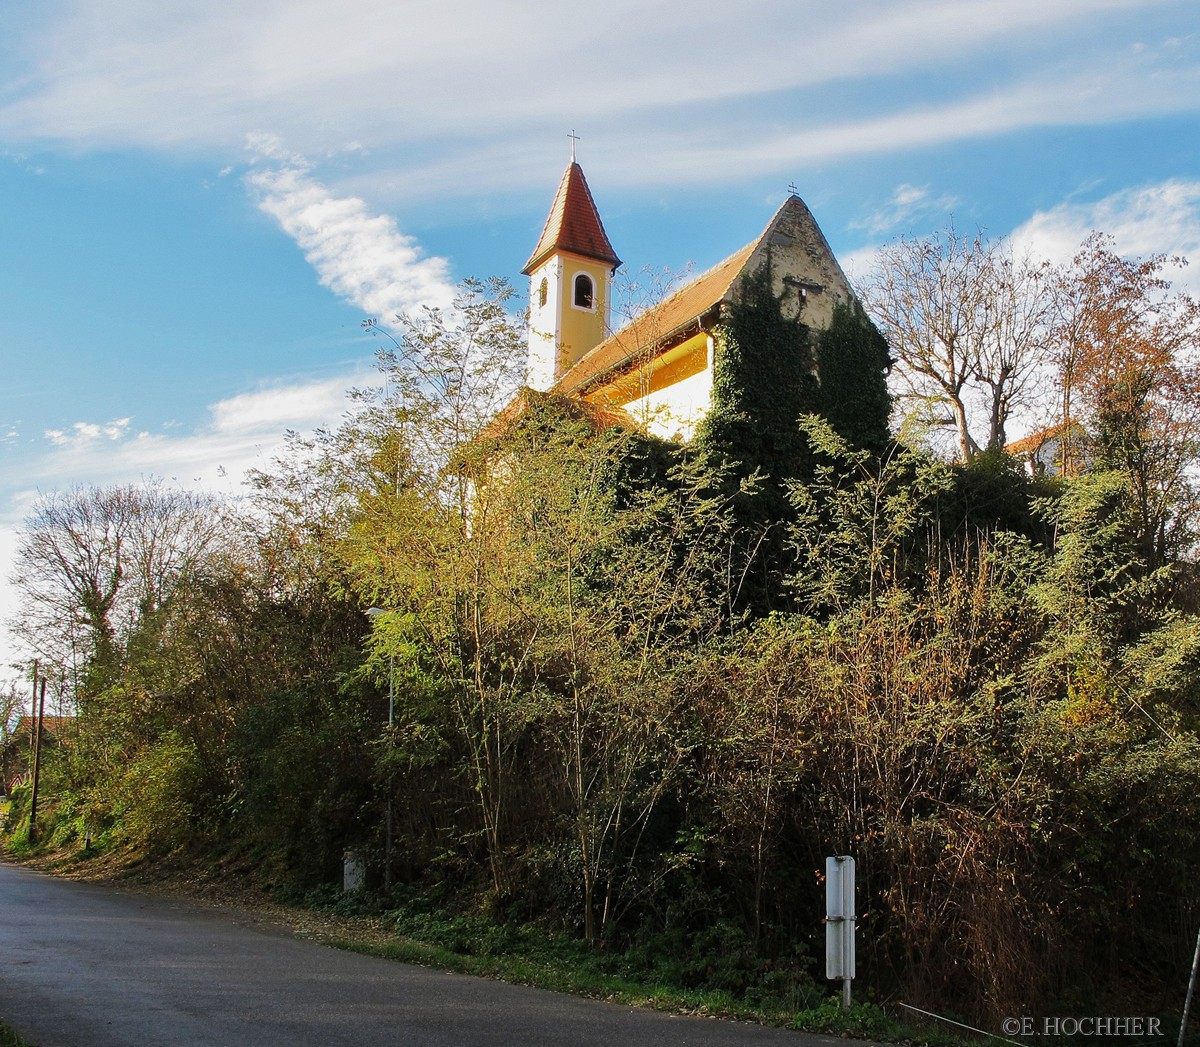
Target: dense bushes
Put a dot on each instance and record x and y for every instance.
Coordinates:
(981, 687)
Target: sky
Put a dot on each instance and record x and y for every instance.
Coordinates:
(201, 201)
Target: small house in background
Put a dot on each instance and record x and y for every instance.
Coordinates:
(16, 754)
(1057, 450)
(657, 371)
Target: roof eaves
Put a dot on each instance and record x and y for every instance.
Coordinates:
(654, 347)
(723, 277)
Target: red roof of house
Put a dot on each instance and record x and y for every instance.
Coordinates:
(52, 725)
(1037, 440)
(574, 224)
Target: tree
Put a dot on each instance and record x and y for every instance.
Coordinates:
(11, 705)
(538, 637)
(967, 322)
(107, 577)
(448, 374)
(542, 574)
(626, 593)
(95, 564)
(418, 533)
(857, 520)
(1128, 356)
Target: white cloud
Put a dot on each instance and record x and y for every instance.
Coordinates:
(857, 264)
(361, 257)
(908, 203)
(271, 411)
(243, 432)
(1154, 219)
(83, 434)
(445, 83)
(1159, 219)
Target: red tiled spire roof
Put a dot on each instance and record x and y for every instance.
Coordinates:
(574, 224)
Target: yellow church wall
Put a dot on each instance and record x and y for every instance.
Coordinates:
(560, 332)
(582, 329)
(670, 396)
(684, 360)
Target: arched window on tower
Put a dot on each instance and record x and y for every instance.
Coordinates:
(585, 292)
(543, 291)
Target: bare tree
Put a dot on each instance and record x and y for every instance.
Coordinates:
(1015, 348)
(967, 322)
(92, 563)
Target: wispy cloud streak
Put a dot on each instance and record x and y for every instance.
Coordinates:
(1147, 220)
(107, 73)
(362, 257)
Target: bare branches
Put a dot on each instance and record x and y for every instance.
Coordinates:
(967, 322)
(93, 562)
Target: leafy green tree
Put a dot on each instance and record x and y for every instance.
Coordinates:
(12, 702)
(105, 574)
(858, 518)
(544, 621)
(624, 590)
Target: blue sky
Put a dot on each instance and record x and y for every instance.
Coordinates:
(200, 201)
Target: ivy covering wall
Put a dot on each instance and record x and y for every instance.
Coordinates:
(771, 370)
(852, 362)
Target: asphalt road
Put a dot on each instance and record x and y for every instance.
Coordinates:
(87, 966)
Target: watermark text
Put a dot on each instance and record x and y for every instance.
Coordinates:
(1087, 1026)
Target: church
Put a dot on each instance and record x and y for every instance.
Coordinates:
(657, 371)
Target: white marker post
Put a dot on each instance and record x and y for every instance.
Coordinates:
(839, 922)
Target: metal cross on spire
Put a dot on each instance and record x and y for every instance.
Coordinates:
(791, 188)
(574, 138)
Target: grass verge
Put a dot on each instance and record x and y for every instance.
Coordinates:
(646, 973)
(715, 975)
(8, 1038)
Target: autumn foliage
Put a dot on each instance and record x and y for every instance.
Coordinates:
(983, 684)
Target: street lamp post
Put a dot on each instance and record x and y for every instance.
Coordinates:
(373, 612)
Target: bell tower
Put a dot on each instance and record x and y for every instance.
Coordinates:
(570, 282)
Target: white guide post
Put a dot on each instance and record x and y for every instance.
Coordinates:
(839, 922)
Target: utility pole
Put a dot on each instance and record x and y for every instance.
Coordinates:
(1187, 1003)
(389, 830)
(40, 715)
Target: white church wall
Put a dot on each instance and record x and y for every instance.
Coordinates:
(674, 412)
